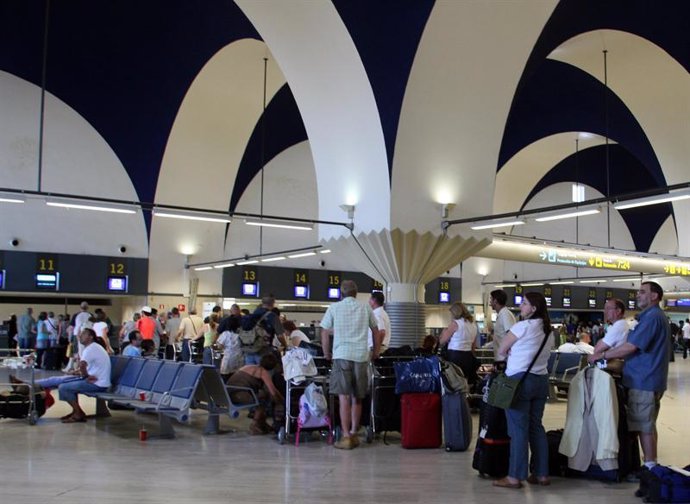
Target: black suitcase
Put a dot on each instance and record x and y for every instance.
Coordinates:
(50, 359)
(457, 422)
(492, 452)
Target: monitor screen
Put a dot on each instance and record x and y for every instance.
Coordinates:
(250, 289)
(333, 293)
(517, 299)
(444, 297)
(548, 300)
(2, 279)
(631, 304)
(671, 302)
(117, 283)
(592, 303)
(682, 302)
(566, 302)
(301, 291)
(47, 281)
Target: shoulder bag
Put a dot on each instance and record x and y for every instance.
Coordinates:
(505, 390)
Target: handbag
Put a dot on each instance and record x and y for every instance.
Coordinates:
(505, 390)
(453, 378)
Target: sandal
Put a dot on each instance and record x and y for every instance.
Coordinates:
(73, 419)
(506, 483)
(534, 480)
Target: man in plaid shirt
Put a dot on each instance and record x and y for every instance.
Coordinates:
(348, 321)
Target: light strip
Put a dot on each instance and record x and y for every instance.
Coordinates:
(203, 218)
(224, 265)
(279, 224)
(591, 281)
(305, 254)
(568, 215)
(503, 286)
(625, 280)
(562, 283)
(652, 200)
(327, 251)
(11, 200)
(271, 259)
(532, 284)
(203, 268)
(247, 262)
(495, 225)
(90, 207)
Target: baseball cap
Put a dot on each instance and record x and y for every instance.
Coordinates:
(146, 309)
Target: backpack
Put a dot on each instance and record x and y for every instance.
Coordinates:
(253, 337)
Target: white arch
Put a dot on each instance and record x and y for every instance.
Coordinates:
(467, 67)
(526, 168)
(656, 89)
(202, 156)
(330, 85)
(76, 160)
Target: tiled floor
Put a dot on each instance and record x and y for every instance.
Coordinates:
(103, 462)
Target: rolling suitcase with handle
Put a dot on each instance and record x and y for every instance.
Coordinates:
(420, 420)
(457, 422)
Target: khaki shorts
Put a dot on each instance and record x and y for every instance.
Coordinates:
(349, 378)
(643, 410)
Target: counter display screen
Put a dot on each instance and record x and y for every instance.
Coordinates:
(250, 289)
(333, 293)
(301, 291)
(47, 281)
(444, 297)
(117, 283)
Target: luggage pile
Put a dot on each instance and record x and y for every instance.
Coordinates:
(432, 391)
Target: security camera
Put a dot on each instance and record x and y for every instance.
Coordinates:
(323, 263)
(122, 249)
(14, 242)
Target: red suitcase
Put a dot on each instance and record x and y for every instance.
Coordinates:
(420, 420)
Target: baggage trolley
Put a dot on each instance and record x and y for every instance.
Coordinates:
(22, 365)
(384, 412)
(293, 392)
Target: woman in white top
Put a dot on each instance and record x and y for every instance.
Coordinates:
(100, 327)
(294, 335)
(525, 427)
(461, 336)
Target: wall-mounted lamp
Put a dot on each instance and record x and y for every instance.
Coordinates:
(350, 209)
(445, 209)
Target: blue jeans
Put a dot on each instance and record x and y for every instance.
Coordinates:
(252, 358)
(186, 351)
(68, 391)
(525, 428)
(55, 381)
(208, 355)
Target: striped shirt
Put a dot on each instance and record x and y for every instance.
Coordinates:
(350, 321)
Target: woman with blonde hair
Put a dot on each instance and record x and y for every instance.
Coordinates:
(461, 337)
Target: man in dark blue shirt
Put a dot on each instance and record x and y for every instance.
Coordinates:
(646, 367)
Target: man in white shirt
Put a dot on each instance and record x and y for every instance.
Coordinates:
(376, 301)
(614, 312)
(94, 368)
(504, 318)
(686, 338)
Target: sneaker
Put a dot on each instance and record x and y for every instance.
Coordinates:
(354, 440)
(345, 443)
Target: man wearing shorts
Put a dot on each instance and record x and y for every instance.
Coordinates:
(646, 367)
(349, 320)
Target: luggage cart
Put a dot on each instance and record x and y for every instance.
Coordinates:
(24, 366)
(384, 413)
(294, 391)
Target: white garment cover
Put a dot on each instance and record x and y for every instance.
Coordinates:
(298, 364)
(591, 426)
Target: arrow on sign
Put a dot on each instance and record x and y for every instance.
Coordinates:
(542, 255)
(591, 261)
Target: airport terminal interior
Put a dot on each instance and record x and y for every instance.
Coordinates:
(187, 154)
